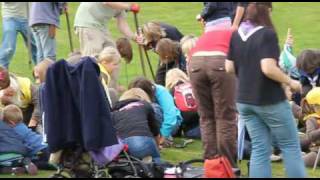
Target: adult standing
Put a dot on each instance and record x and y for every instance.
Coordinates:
(14, 21)
(261, 102)
(91, 22)
(216, 10)
(44, 19)
(214, 90)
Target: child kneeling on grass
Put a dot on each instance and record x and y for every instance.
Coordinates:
(311, 110)
(12, 115)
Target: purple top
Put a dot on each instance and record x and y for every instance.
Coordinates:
(247, 26)
(46, 13)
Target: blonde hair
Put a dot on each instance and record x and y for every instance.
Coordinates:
(174, 76)
(153, 31)
(109, 54)
(12, 113)
(187, 43)
(135, 93)
(42, 68)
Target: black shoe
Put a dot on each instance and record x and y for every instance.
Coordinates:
(236, 172)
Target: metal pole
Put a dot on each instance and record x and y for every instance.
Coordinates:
(150, 65)
(69, 31)
(140, 46)
(29, 37)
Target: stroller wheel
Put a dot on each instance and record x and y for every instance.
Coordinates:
(100, 174)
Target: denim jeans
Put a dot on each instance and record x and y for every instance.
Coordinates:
(193, 133)
(46, 45)
(11, 27)
(265, 123)
(143, 146)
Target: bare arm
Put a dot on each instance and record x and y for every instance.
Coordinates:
(237, 19)
(313, 132)
(229, 65)
(36, 116)
(125, 28)
(271, 70)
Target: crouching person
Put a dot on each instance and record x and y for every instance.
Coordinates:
(36, 149)
(311, 111)
(21, 92)
(178, 83)
(166, 111)
(135, 123)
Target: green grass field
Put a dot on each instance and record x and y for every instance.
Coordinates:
(302, 17)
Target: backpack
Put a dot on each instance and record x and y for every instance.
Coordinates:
(219, 167)
(184, 98)
(127, 166)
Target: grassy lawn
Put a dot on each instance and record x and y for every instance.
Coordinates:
(192, 151)
(302, 17)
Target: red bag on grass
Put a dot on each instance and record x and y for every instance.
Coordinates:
(219, 167)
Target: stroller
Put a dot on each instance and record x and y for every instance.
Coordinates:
(76, 163)
(127, 166)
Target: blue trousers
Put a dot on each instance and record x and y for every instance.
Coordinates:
(268, 123)
(11, 27)
(143, 146)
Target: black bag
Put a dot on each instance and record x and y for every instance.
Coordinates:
(133, 167)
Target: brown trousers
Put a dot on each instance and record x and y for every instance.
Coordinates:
(214, 90)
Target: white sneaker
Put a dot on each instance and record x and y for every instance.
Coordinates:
(275, 158)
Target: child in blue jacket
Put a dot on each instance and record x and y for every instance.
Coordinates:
(12, 115)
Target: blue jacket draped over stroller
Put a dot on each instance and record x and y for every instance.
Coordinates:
(76, 110)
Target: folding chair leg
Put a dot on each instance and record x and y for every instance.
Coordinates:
(316, 161)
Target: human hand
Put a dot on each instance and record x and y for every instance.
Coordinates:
(234, 28)
(135, 8)
(165, 142)
(9, 91)
(139, 39)
(32, 123)
(289, 40)
(198, 17)
(65, 9)
(295, 85)
(52, 31)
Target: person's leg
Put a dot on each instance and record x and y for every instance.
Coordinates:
(48, 43)
(143, 146)
(194, 133)
(92, 41)
(25, 31)
(36, 35)
(223, 93)
(260, 164)
(201, 84)
(9, 38)
(279, 119)
(310, 158)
